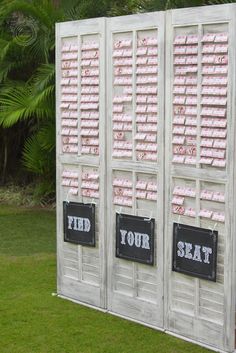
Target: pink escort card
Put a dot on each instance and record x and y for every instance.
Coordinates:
(177, 200)
(206, 195)
(218, 196)
(178, 209)
(190, 212)
(180, 39)
(218, 216)
(205, 213)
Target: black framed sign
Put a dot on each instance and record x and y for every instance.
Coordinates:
(79, 223)
(135, 238)
(195, 251)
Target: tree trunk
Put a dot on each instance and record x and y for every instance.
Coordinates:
(4, 170)
(56, 3)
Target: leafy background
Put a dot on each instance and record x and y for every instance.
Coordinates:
(27, 80)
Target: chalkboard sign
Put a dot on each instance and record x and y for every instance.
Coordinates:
(79, 223)
(135, 238)
(195, 251)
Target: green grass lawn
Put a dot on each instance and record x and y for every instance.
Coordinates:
(34, 321)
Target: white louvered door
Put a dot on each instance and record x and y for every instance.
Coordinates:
(81, 154)
(135, 156)
(199, 144)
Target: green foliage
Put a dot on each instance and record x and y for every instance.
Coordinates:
(23, 103)
(14, 195)
(44, 77)
(34, 157)
(27, 76)
(123, 7)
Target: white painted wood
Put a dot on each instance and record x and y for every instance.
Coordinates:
(197, 309)
(134, 290)
(82, 270)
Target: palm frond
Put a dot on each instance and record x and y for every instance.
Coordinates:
(5, 69)
(86, 9)
(34, 157)
(47, 136)
(43, 77)
(124, 7)
(43, 97)
(32, 25)
(40, 47)
(21, 103)
(5, 46)
(34, 9)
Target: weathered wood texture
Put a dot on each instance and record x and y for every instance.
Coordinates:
(81, 269)
(199, 309)
(136, 290)
(128, 114)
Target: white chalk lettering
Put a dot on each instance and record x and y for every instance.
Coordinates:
(188, 248)
(130, 239)
(180, 252)
(70, 222)
(139, 240)
(197, 253)
(123, 234)
(79, 224)
(194, 252)
(87, 225)
(146, 242)
(207, 252)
